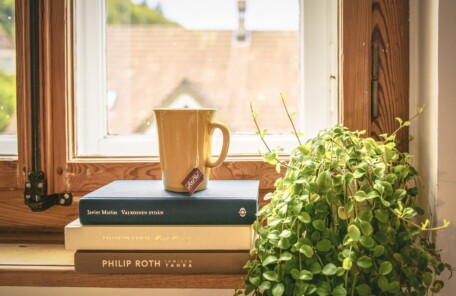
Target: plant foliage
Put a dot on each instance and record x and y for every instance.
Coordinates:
(7, 99)
(7, 17)
(125, 12)
(343, 221)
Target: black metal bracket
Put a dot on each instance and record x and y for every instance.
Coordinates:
(36, 197)
(35, 193)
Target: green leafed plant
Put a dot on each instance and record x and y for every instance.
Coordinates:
(343, 221)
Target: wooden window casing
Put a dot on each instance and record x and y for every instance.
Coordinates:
(361, 21)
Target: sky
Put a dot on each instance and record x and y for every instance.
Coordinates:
(273, 15)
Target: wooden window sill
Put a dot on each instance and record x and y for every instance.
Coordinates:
(43, 265)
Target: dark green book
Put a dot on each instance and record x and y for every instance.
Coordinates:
(146, 202)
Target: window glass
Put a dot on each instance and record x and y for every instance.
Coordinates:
(8, 127)
(133, 56)
(201, 53)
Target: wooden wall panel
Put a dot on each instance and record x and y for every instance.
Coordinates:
(356, 66)
(385, 22)
(391, 33)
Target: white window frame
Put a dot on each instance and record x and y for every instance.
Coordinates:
(318, 80)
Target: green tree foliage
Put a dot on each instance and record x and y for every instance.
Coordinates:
(7, 99)
(7, 17)
(124, 12)
(7, 81)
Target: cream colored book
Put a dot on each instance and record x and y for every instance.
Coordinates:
(158, 237)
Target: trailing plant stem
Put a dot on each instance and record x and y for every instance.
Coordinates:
(291, 120)
(262, 138)
(418, 226)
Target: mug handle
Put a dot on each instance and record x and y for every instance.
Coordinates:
(225, 146)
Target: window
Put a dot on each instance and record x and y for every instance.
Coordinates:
(8, 129)
(134, 56)
(79, 176)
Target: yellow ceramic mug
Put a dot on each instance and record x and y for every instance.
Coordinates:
(185, 141)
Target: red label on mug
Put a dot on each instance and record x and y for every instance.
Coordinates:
(192, 181)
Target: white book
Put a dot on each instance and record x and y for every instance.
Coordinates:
(158, 237)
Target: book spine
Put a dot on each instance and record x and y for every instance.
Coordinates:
(160, 262)
(167, 212)
(101, 237)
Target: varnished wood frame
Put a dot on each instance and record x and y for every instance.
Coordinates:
(359, 18)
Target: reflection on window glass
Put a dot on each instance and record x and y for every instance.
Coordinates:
(7, 68)
(201, 53)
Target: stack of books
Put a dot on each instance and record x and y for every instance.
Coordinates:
(138, 227)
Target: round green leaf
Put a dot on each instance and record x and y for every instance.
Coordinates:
(381, 215)
(285, 256)
(284, 243)
(319, 224)
(385, 268)
(339, 291)
(306, 250)
(314, 267)
(286, 233)
(324, 245)
(294, 274)
(297, 208)
(278, 289)
(321, 207)
(329, 269)
(273, 221)
(332, 198)
(323, 289)
(271, 275)
(305, 275)
(366, 228)
(324, 181)
(409, 213)
(363, 290)
(393, 287)
(367, 242)
(342, 214)
(354, 233)
(311, 289)
(304, 217)
(255, 281)
(399, 194)
(360, 196)
(398, 257)
(373, 194)
(378, 251)
(364, 262)
(269, 260)
(340, 271)
(315, 236)
(347, 263)
(266, 285)
(383, 283)
(427, 278)
(349, 206)
(273, 236)
(366, 215)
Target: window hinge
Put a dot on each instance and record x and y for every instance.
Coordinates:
(374, 82)
(36, 197)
